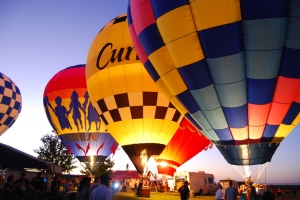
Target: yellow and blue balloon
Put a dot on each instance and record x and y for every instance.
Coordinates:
(233, 65)
(10, 103)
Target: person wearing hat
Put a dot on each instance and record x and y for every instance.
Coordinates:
(102, 192)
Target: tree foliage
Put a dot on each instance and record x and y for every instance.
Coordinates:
(105, 167)
(55, 152)
(99, 168)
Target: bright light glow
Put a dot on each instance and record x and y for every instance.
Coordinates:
(116, 184)
(144, 157)
(247, 172)
(92, 159)
(163, 164)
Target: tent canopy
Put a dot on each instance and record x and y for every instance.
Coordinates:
(14, 158)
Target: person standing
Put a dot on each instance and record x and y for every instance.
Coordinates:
(38, 182)
(102, 192)
(253, 195)
(9, 188)
(95, 184)
(268, 194)
(219, 194)
(184, 191)
(55, 184)
(231, 193)
(23, 185)
(83, 189)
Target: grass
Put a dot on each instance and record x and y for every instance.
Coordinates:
(156, 195)
(170, 196)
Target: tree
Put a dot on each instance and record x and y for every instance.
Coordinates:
(105, 167)
(55, 152)
(99, 168)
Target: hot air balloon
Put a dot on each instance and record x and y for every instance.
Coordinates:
(72, 116)
(10, 103)
(134, 110)
(232, 64)
(185, 144)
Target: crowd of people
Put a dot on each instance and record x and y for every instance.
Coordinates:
(20, 188)
(231, 193)
(17, 188)
(100, 189)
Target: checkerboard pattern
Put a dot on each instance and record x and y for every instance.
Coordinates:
(10, 103)
(140, 105)
(118, 19)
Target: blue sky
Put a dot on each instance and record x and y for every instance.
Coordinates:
(40, 38)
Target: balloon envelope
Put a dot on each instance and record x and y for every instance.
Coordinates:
(73, 117)
(185, 144)
(135, 111)
(235, 64)
(10, 103)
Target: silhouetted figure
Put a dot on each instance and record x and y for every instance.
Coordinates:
(9, 188)
(38, 182)
(75, 105)
(83, 189)
(22, 185)
(253, 195)
(47, 105)
(184, 191)
(139, 188)
(55, 185)
(92, 115)
(61, 113)
(268, 194)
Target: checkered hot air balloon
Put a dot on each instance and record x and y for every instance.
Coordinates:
(135, 111)
(10, 103)
(72, 116)
(233, 65)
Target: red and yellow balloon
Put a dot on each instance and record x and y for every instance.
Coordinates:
(184, 145)
(72, 116)
(135, 111)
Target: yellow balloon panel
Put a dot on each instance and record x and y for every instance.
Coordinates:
(143, 131)
(126, 98)
(227, 11)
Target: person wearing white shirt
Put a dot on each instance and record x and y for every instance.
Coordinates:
(102, 192)
(219, 193)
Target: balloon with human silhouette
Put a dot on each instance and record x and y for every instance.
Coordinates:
(72, 116)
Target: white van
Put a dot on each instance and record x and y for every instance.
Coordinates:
(199, 182)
